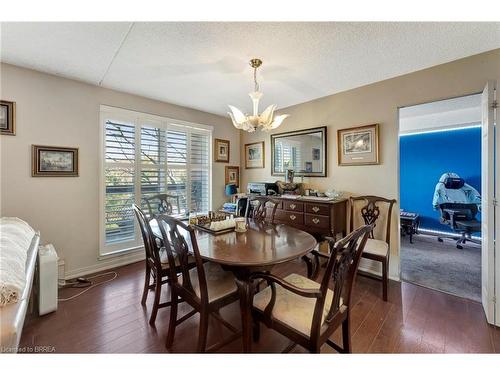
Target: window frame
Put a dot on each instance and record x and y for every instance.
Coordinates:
(140, 120)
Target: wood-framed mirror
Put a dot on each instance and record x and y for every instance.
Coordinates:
(304, 151)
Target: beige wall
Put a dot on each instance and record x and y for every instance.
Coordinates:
(376, 103)
(62, 112)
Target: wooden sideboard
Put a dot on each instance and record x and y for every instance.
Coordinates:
(319, 218)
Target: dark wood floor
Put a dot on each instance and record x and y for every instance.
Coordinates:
(110, 319)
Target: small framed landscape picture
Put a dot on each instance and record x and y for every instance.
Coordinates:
(7, 117)
(254, 155)
(358, 146)
(221, 150)
(233, 175)
(54, 161)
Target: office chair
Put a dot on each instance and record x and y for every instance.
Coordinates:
(458, 204)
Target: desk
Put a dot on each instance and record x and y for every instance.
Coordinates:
(409, 223)
(258, 249)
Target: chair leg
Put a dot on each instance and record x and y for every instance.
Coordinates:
(346, 335)
(156, 302)
(172, 323)
(256, 330)
(385, 279)
(146, 285)
(309, 266)
(202, 336)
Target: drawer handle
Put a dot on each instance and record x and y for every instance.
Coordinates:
(315, 209)
(315, 220)
(292, 206)
(293, 217)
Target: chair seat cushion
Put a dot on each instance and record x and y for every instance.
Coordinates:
(291, 309)
(164, 260)
(220, 283)
(376, 247)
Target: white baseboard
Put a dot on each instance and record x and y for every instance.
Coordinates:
(136, 256)
(375, 268)
(106, 264)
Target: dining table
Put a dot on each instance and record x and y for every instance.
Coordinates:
(261, 247)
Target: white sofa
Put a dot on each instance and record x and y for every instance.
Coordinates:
(12, 315)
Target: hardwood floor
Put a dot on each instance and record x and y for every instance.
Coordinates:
(110, 319)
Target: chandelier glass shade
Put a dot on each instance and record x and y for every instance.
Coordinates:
(266, 120)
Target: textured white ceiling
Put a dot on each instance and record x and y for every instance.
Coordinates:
(204, 65)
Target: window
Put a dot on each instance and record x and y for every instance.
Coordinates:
(287, 156)
(144, 155)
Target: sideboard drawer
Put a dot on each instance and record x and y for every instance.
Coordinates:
(293, 206)
(317, 221)
(318, 209)
(289, 217)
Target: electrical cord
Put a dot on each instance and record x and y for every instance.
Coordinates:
(115, 275)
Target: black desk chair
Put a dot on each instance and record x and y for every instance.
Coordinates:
(461, 217)
(458, 204)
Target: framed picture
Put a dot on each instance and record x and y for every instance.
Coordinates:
(233, 175)
(7, 117)
(254, 155)
(316, 153)
(221, 150)
(358, 146)
(54, 161)
(308, 166)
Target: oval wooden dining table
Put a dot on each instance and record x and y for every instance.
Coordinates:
(258, 249)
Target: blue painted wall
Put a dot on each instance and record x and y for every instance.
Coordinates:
(425, 157)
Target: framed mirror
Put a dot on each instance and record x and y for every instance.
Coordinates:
(304, 151)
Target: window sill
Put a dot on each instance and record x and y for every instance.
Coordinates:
(121, 252)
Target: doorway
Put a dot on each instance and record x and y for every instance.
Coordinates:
(440, 195)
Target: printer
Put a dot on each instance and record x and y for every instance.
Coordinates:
(262, 188)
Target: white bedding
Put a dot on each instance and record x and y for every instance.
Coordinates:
(15, 239)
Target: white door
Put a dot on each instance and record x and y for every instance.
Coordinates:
(488, 202)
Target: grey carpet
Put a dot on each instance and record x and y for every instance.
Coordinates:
(442, 266)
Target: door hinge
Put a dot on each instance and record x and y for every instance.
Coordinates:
(494, 104)
(495, 202)
(494, 299)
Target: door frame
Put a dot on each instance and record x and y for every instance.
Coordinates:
(489, 247)
(399, 164)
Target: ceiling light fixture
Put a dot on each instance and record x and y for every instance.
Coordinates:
(265, 120)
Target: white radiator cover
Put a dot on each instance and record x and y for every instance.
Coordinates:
(48, 277)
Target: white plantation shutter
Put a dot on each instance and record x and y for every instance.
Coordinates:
(199, 172)
(177, 182)
(188, 168)
(287, 156)
(145, 156)
(153, 162)
(119, 181)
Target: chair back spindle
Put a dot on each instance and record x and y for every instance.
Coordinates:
(178, 236)
(371, 212)
(342, 267)
(257, 208)
(150, 245)
(160, 204)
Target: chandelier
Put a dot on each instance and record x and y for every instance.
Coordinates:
(265, 120)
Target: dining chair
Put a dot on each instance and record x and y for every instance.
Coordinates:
(375, 210)
(157, 265)
(206, 287)
(258, 208)
(307, 312)
(161, 204)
